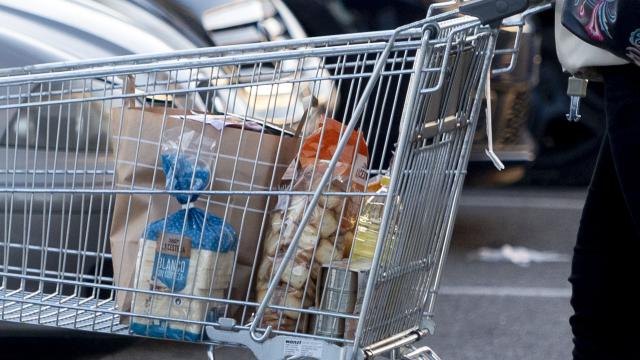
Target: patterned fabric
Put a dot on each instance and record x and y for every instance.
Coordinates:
(596, 16)
(613, 25)
(633, 50)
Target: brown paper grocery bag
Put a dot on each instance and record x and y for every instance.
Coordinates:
(243, 160)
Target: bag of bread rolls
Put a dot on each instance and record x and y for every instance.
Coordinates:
(329, 230)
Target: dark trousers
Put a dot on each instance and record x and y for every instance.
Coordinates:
(606, 261)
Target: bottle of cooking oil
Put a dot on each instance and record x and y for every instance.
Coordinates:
(364, 244)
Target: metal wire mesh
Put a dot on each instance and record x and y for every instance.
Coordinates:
(73, 168)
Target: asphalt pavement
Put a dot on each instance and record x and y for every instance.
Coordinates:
(488, 308)
(499, 310)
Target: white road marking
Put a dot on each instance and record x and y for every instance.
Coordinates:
(498, 201)
(518, 255)
(541, 292)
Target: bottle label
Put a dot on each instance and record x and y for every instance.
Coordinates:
(360, 174)
(171, 262)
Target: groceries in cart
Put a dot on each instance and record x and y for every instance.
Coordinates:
(246, 157)
(190, 252)
(341, 288)
(324, 237)
(370, 219)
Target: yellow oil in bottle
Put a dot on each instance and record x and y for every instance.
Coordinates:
(364, 243)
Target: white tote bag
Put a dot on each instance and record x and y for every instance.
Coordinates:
(575, 55)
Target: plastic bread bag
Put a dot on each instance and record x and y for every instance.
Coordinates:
(333, 220)
(287, 320)
(189, 252)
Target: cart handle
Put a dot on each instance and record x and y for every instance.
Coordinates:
(519, 22)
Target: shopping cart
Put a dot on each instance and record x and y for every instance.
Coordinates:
(82, 186)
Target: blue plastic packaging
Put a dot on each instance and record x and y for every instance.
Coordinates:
(188, 240)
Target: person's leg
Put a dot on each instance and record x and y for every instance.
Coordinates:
(605, 267)
(622, 102)
(593, 270)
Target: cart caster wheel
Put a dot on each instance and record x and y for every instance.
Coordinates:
(418, 353)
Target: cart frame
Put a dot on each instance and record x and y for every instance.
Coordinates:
(447, 58)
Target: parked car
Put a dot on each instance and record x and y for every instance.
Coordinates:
(54, 31)
(227, 22)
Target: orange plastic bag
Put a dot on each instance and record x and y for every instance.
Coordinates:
(322, 145)
(331, 228)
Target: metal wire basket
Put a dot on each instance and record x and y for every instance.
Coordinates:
(83, 181)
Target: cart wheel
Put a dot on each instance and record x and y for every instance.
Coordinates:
(418, 353)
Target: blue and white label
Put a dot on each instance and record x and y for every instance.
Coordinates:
(171, 262)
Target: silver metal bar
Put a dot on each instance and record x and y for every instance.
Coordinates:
(518, 22)
(396, 342)
(412, 93)
(460, 179)
(200, 52)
